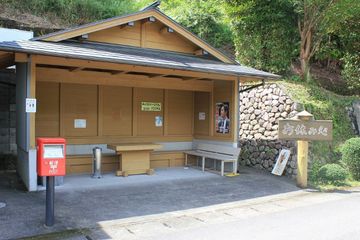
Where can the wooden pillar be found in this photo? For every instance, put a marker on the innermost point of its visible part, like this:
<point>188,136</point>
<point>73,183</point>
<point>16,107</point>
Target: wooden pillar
<point>302,163</point>
<point>32,94</point>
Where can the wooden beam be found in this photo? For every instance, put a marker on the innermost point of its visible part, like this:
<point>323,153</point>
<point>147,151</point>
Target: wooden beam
<point>126,80</point>
<point>166,30</point>
<point>200,52</point>
<point>129,24</point>
<point>157,75</point>
<point>6,60</point>
<point>76,69</point>
<point>118,72</point>
<point>21,57</point>
<point>191,78</point>
<point>62,61</point>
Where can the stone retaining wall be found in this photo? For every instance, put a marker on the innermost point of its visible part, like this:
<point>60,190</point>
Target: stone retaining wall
<point>260,110</point>
<point>7,121</point>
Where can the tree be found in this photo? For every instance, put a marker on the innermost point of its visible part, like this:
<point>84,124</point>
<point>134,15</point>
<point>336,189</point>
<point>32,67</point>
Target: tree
<point>265,33</point>
<point>311,15</point>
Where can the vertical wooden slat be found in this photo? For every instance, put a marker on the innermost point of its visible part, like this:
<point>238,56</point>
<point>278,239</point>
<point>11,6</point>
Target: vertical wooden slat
<point>143,35</point>
<point>61,102</point>
<point>235,110</point>
<point>166,112</point>
<point>100,110</point>
<point>32,82</point>
<point>211,113</point>
<point>134,112</point>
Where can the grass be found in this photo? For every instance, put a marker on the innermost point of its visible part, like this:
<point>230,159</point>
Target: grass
<point>340,187</point>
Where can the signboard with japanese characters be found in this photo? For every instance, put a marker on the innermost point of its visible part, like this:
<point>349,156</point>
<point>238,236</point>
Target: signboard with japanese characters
<point>291,129</point>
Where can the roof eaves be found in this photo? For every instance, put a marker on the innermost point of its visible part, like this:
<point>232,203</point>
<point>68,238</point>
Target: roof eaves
<point>44,37</point>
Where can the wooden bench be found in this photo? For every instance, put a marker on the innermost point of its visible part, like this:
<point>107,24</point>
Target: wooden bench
<point>217,153</point>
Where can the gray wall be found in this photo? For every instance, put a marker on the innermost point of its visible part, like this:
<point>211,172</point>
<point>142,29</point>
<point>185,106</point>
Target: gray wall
<point>26,161</point>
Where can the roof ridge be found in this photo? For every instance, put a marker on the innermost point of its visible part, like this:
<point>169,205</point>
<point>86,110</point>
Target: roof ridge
<point>153,5</point>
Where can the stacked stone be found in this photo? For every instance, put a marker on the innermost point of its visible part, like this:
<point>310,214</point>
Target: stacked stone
<point>260,110</point>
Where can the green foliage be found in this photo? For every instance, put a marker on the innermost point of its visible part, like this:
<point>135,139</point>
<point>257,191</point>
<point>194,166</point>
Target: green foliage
<point>332,174</point>
<point>324,105</point>
<point>265,33</point>
<point>351,71</point>
<point>204,18</point>
<point>76,12</point>
<point>351,156</point>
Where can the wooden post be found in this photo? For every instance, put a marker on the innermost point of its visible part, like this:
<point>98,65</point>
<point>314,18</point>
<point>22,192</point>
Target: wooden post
<point>303,128</point>
<point>302,163</point>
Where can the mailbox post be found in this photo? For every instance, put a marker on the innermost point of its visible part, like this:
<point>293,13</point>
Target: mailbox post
<point>304,128</point>
<point>50,163</point>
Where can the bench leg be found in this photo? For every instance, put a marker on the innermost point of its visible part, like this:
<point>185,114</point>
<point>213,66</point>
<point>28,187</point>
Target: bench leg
<point>235,167</point>
<point>222,168</point>
<point>203,164</point>
<point>186,156</point>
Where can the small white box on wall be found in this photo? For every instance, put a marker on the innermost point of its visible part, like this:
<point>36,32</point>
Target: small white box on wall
<point>80,123</point>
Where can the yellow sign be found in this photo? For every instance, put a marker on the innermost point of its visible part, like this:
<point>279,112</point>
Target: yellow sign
<point>150,107</point>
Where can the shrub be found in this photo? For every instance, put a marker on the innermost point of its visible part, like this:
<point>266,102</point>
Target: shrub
<point>351,156</point>
<point>332,173</point>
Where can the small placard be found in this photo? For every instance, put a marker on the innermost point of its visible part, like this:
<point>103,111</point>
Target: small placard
<point>53,151</point>
<point>30,105</point>
<point>158,121</point>
<point>150,107</point>
<point>202,116</point>
<point>80,123</point>
<point>281,162</point>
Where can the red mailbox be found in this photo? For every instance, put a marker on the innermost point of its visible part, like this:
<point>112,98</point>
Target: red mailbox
<point>51,156</point>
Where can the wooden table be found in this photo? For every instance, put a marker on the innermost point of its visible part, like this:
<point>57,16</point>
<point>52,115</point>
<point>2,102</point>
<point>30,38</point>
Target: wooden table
<point>134,158</point>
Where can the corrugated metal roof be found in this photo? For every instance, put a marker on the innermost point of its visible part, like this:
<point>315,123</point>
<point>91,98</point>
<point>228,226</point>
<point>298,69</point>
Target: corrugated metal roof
<point>131,55</point>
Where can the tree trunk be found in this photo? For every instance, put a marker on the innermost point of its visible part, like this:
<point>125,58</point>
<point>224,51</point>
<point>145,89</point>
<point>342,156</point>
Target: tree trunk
<point>305,52</point>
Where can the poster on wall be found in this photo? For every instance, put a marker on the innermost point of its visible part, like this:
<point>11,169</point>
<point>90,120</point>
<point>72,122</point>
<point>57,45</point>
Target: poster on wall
<point>281,162</point>
<point>222,118</point>
<point>158,121</point>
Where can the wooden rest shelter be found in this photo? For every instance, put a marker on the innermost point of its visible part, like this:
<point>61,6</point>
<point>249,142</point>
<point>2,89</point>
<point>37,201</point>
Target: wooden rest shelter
<point>136,78</point>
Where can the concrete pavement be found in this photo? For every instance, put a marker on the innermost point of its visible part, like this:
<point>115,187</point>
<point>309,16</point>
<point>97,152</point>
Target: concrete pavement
<point>169,191</point>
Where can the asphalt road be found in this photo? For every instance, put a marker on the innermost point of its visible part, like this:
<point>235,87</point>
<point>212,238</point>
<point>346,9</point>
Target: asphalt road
<point>329,220</point>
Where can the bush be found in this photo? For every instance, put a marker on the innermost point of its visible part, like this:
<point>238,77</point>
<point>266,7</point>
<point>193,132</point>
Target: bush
<point>332,174</point>
<point>351,156</point>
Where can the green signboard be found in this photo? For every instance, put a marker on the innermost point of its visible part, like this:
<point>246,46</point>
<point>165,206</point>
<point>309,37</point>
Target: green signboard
<point>150,107</point>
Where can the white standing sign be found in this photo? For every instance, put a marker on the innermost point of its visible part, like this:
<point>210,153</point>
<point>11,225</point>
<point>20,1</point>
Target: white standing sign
<point>30,105</point>
<point>281,162</point>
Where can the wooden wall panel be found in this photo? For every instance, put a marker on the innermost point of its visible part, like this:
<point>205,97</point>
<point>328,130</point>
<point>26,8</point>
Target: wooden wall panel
<point>83,163</point>
<point>179,114</point>
<point>116,111</point>
<point>148,36</point>
<point>47,115</point>
<point>167,159</point>
<point>117,35</point>
<point>146,119</point>
<point>201,104</point>
<point>167,41</point>
<point>79,102</point>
